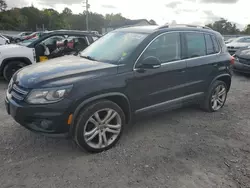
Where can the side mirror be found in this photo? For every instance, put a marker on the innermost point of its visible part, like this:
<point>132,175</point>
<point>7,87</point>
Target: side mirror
<point>150,62</point>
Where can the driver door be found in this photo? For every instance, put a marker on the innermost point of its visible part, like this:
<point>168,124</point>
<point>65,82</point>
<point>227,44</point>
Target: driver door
<point>157,86</point>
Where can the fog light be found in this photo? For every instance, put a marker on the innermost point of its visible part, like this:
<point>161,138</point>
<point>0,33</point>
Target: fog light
<point>45,124</point>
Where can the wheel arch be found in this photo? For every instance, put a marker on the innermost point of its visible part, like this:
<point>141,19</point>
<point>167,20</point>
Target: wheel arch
<point>119,98</point>
<point>225,78</point>
<point>22,59</point>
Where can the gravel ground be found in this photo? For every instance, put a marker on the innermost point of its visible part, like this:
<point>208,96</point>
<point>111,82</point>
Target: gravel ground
<point>185,148</point>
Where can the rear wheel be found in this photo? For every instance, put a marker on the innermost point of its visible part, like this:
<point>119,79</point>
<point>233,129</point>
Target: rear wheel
<point>10,68</point>
<point>216,96</point>
<point>99,126</point>
<point>17,40</point>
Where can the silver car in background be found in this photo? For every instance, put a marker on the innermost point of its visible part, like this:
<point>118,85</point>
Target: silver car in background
<point>238,43</point>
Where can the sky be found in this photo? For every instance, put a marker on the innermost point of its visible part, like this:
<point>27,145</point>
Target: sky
<point>162,11</point>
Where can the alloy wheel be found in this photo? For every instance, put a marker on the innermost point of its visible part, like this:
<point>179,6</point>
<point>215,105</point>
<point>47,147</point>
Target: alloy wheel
<point>102,128</point>
<point>218,97</point>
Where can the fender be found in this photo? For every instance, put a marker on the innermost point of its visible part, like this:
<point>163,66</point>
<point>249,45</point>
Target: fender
<point>23,59</point>
<point>220,76</point>
<point>89,100</point>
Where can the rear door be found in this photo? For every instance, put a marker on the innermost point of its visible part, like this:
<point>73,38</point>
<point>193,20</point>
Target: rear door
<point>202,60</point>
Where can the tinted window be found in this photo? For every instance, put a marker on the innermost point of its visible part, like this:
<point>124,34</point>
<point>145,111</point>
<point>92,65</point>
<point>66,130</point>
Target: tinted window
<point>216,45</point>
<point>195,45</point>
<point>209,44</point>
<point>166,48</point>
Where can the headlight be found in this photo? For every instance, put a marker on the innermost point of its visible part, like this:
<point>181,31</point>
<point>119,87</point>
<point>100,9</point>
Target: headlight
<point>48,95</point>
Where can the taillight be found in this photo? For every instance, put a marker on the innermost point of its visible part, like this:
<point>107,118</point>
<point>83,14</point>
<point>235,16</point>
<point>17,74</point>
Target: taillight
<point>232,60</point>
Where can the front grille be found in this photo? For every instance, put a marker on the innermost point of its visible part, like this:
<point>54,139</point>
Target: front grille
<point>18,93</point>
<point>244,61</point>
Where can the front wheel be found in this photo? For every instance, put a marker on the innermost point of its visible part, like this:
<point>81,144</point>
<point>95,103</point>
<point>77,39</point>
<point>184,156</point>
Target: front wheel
<point>216,96</point>
<point>10,68</point>
<point>99,126</point>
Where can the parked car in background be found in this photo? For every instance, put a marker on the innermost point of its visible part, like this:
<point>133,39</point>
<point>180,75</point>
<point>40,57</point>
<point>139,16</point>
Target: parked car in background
<point>14,56</point>
<point>127,72</point>
<point>229,40</point>
<point>240,42</point>
<point>32,35</point>
<point>4,40</point>
<point>242,61</point>
<point>17,38</point>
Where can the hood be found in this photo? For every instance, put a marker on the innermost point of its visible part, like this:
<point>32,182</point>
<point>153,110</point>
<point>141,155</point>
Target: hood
<point>237,44</point>
<point>62,71</point>
<point>244,53</point>
<point>10,47</point>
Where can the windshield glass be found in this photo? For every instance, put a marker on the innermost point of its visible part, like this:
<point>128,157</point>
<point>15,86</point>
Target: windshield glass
<point>243,39</point>
<point>27,42</point>
<point>113,47</point>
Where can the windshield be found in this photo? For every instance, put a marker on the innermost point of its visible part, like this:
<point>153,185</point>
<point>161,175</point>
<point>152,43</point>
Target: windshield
<point>113,47</point>
<point>27,42</point>
<point>243,39</point>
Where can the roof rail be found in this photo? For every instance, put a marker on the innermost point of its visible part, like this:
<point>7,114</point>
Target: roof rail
<point>183,25</point>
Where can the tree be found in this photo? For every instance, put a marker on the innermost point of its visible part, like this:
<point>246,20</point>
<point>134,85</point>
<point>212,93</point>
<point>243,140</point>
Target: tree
<point>3,5</point>
<point>247,30</point>
<point>67,12</point>
<point>224,27</point>
<point>152,22</point>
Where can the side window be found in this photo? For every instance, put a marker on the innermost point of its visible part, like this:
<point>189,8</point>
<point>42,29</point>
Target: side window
<point>209,44</point>
<point>52,40</point>
<point>80,43</point>
<point>166,48</point>
<point>216,45</point>
<point>195,45</point>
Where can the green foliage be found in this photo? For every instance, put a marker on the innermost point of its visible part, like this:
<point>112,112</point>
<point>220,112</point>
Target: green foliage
<point>224,27</point>
<point>31,18</point>
<point>3,5</point>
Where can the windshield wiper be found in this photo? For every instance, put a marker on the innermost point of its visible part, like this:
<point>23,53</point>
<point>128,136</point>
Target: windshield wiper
<point>88,57</point>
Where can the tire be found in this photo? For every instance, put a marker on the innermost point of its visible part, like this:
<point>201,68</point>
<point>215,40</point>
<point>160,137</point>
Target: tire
<point>10,68</point>
<point>17,40</point>
<point>87,127</point>
<point>208,104</point>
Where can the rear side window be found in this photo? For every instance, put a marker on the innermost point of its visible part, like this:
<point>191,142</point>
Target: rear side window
<point>216,45</point>
<point>196,46</point>
<point>209,44</point>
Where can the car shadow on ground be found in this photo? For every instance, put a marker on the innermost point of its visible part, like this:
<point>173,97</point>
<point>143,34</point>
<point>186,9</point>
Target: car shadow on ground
<point>45,143</point>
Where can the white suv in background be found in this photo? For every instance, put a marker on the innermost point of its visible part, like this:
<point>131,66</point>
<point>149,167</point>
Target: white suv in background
<point>14,57</point>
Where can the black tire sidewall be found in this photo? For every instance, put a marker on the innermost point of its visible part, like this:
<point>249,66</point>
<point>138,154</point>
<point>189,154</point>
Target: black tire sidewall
<point>17,40</point>
<point>208,105</point>
<point>7,74</point>
<point>84,116</point>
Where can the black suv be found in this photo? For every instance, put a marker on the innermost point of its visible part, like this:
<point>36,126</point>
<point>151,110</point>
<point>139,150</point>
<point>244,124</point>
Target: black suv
<point>127,72</point>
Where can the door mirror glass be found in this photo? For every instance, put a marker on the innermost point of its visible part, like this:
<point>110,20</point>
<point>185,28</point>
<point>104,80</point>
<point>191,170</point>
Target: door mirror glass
<point>150,62</point>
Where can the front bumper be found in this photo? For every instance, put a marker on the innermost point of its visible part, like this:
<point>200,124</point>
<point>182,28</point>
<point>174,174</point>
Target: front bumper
<point>240,67</point>
<point>47,119</point>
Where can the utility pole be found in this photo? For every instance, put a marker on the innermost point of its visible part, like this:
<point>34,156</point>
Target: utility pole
<point>87,6</point>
